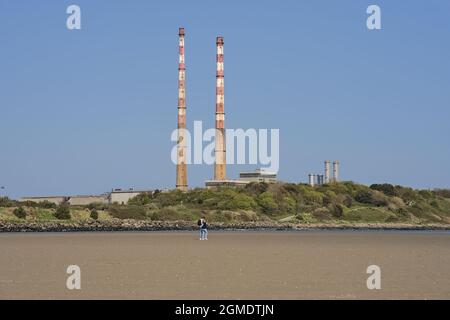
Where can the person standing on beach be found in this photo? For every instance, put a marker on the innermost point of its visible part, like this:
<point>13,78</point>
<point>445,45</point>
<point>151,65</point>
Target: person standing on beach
<point>200,223</point>
<point>203,229</point>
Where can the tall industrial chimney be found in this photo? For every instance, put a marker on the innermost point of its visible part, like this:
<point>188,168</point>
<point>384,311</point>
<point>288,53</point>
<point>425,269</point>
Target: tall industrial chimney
<point>220,152</point>
<point>335,171</point>
<point>181,143</point>
<point>327,171</point>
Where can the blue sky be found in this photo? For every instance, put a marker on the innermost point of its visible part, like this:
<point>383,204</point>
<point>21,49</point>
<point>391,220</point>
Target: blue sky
<point>87,110</point>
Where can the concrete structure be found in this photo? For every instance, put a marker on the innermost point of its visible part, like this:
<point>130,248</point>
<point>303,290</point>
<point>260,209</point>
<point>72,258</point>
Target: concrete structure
<point>335,171</point>
<point>53,199</point>
<point>225,183</point>
<point>259,175</point>
<point>119,196</point>
<point>220,152</point>
<point>327,171</point>
<point>320,179</point>
<point>311,179</point>
<point>72,200</point>
<point>85,200</point>
<point>181,182</point>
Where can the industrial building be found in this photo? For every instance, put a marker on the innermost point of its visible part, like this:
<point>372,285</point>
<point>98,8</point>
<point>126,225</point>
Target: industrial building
<point>320,179</point>
<point>116,196</point>
<point>259,175</point>
<point>119,196</point>
<point>225,183</point>
<point>53,199</point>
<point>79,200</point>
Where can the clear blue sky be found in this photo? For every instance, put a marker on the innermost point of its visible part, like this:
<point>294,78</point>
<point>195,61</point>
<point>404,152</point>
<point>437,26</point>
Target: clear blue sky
<point>85,111</point>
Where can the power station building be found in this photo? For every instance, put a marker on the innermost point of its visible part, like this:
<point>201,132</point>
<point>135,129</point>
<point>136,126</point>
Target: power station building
<point>259,175</point>
<point>320,179</point>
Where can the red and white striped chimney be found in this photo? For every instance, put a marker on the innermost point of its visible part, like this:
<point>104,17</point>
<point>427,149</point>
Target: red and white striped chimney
<point>220,152</point>
<point>181,183</point>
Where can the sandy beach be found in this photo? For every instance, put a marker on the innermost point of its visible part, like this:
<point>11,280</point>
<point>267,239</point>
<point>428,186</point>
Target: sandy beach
<point>230,265</point>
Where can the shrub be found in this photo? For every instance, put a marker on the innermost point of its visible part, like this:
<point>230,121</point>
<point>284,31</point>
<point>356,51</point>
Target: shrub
<point>291,188</point>
<point>379,199</point>
<point>386,188</point>
<point>20,213</point>
<point>267,203</point>
<point>373,197</point>
<point>321,214</point>
<point>127,212</point>
<point>426,194</point>
<point>364,196</point>
<point>445,193</point>
<point>63,212</point>
<point>6,202</point>
<point>407,194</point>
<point>257,187</point>
<point>47,205</point>
<point>155,216</point>
<point>397,202</point>
<point>306,217</point>
<point>329,198</point>
<point>346,200</point>
<point>171,198</point>
<point>313,197</point>
<point>94,214</point>
<point>402,213</point>
<point>141,199</point>
<point>168,214</point>
<point>336,210</point>
<point>435,204</point>
<point>288,205</point>
<point>28,204</point>
<point>97,206</point>
<point>242,201</point>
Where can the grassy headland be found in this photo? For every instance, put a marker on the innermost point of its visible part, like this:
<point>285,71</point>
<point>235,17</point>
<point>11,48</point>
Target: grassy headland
<point>338,203</point>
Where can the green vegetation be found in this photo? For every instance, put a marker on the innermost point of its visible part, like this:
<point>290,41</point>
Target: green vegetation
<point>94,214</point>
<point>298,203</point>
<point>20,213</point>
<point>63,212</point>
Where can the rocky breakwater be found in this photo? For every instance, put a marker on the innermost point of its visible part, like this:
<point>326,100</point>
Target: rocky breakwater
<point>147,225</point>
<point>131,225</point>
<point>78,226</point>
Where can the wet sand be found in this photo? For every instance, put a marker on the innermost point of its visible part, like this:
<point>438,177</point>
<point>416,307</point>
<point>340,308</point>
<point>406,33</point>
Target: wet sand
<point>231,265</point>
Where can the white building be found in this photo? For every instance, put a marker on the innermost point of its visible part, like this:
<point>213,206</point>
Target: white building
<point>259,175</point>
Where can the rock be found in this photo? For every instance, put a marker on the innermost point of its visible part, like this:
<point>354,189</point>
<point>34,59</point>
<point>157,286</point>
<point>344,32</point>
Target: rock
<point>144,225</point>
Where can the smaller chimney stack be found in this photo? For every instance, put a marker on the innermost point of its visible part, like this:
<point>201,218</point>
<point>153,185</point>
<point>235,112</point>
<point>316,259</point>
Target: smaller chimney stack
<point>327,171</point>
<point>311,179</point>
<point>336,171</point>
<point>320,179</point>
